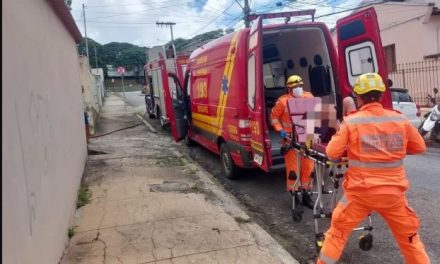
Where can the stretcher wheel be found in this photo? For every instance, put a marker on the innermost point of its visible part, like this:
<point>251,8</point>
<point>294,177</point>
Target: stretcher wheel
<point>296,216</point>
<point>319,241</point>
<point>366,242</point>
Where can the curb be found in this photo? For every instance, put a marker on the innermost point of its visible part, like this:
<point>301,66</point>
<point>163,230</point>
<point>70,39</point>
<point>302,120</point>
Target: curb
<point>149,126</point>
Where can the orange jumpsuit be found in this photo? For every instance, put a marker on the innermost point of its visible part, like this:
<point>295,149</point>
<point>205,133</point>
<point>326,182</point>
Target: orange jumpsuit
<point>376,141</point>
<point>280,120</point>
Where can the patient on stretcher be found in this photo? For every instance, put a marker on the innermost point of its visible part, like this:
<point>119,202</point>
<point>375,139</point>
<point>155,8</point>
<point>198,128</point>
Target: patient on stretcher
<point>315,121</point>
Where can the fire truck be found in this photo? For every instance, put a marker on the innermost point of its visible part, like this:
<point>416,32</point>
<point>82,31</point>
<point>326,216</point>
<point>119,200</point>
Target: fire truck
<point>164,79</point>
<point>232,83</point>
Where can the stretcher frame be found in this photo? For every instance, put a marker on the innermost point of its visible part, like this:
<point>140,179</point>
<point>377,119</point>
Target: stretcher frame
<point>322,164</point>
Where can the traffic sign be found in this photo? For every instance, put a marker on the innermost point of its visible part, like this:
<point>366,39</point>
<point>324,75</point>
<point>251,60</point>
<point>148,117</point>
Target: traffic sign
<point>121,70</point>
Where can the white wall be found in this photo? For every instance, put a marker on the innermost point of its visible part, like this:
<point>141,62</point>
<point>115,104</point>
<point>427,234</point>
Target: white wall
<point>44,146</point>
<point>408,28</point>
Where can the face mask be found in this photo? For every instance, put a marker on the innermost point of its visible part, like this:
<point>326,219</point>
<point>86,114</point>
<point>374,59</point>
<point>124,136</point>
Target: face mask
<point>297,92</point>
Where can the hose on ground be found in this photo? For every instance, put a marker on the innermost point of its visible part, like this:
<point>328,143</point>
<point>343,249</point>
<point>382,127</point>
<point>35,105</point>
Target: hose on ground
<point>100,135</point>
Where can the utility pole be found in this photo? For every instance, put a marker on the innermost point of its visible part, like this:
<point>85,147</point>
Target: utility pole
<point>171,24</point>
<point>246,12</point>
<point>85,32</point>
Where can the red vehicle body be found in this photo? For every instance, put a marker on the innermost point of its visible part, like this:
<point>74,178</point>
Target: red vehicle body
<point>232,83</point>
<point>164,79</point>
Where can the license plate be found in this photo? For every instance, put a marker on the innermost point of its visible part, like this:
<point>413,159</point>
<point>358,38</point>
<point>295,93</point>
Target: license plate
<point>258,159</point>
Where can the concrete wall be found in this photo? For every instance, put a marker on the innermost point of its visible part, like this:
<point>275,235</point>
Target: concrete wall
<point>92,92</point>
<point>44,145</point>
<point>99,77</point>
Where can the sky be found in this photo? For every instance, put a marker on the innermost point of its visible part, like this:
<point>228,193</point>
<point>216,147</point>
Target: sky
<point>134,21</point>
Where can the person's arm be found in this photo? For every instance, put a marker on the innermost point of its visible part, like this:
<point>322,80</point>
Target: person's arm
<point>348,105</point>
<point>275,116</point>
<point>415,144</point>
<point>338,144</point>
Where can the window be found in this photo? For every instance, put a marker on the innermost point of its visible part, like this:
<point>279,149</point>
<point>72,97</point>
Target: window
<point>399,96</point>
<point>351,30</point>
<point>251,81</point>
<point>390,56</point>
<point>360,58</point>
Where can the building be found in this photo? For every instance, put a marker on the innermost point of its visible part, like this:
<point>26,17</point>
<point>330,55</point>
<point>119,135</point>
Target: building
<point>44,143</point>
<point>410,33</point>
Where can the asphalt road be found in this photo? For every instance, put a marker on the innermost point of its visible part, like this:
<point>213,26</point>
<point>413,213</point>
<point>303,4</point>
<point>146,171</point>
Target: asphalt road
<point>265,198</point>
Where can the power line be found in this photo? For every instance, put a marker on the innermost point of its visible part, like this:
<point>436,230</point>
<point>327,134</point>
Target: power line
<point>211,20</point>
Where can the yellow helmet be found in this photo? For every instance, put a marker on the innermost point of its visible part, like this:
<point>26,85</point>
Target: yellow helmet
<point>294,81</point>
<point>369,82</point>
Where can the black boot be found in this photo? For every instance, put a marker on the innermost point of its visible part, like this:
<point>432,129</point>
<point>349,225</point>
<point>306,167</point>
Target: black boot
<point>307,200</point>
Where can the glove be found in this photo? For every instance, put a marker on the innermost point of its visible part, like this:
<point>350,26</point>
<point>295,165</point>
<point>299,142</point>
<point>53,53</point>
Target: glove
<point>283,133</point>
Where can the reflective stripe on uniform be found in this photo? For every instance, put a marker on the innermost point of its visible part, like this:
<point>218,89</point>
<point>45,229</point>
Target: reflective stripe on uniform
<point>275,121</point>
<point>375,119</point>
<point>357,163</point>
<point>343,200</point>
<point>286,124</point>
<point>326,259</point>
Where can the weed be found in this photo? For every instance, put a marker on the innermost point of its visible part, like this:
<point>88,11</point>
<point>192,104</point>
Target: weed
<point>196,188</point>
<point>242,220</point>
<point>71,231</point>
<point>84,196</point>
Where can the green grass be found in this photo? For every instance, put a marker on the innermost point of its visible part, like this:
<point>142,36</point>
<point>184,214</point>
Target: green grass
<point>84,196</point>
<point>71,231</point>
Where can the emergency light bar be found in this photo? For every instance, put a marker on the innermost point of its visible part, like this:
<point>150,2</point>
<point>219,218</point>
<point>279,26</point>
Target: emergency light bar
<point>307,12</point>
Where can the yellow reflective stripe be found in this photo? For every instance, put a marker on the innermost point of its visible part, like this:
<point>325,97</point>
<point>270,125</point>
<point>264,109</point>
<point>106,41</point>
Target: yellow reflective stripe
<point>228,73</point>
<point>326,259</point>
<point>257,146</point>
<point>375,119</point>
<point>217,120</point>
<point>206,127</point>
<point>363,164</point>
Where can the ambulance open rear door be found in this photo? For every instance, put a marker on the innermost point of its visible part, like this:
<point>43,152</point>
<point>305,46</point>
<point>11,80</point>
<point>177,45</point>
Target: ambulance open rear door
<point>175,107</point>
<point>360,50</point>
<point>259,131</point>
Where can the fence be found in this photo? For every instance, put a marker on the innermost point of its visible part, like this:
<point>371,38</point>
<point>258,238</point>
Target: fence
<point>419,78</point>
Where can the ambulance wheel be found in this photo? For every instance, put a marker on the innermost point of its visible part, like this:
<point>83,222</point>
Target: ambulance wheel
<point>188,141</point>
<point>229,168</point>
<point>366,242</point>
<point>297,217</point>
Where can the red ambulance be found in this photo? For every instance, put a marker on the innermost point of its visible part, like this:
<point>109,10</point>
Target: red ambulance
<point>164,76</point>
<point>232,83</point>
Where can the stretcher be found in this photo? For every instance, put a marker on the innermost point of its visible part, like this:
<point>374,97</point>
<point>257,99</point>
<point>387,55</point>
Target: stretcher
<point>306,140</point>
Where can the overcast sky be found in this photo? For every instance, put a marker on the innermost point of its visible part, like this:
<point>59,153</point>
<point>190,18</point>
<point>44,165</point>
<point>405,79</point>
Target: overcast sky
<point>134,21</point>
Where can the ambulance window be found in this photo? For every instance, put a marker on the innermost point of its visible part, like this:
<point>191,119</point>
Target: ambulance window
<point>360,58</point>
<point>251,81</point>
<point>351,30</point>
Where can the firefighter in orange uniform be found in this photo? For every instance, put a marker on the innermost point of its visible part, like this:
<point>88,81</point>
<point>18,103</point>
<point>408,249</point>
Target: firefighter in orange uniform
<point>281,123</point>
<point>376,141</point>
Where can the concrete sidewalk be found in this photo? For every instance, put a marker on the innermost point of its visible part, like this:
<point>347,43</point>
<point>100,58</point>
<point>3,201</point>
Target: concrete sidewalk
<point>151,204</point>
